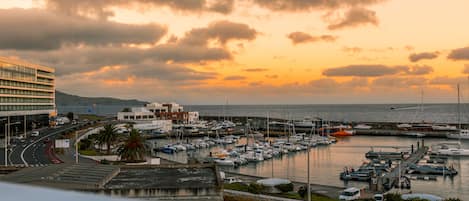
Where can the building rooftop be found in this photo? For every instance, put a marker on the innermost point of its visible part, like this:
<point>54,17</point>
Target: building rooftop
<point>25,63</point>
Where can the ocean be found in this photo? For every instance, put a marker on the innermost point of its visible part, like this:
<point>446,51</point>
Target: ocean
<point>431,113</point>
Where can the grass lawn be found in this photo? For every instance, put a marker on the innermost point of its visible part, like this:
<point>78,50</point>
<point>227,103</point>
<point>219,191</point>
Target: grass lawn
<point>89,152</point>
<point>91,117</point>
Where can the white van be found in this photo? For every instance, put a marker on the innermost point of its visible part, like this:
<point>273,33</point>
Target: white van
<point>35,134</point>
<point>350,194</point>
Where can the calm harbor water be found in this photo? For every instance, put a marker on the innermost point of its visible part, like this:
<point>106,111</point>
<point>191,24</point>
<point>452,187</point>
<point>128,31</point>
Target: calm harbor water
<point>441,113</point>
<point>328,161</point>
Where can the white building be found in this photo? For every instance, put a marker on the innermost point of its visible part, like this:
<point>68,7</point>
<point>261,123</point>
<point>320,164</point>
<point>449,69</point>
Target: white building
<point>136,114</point>
<point>162,125</point>
<point>193,117</point>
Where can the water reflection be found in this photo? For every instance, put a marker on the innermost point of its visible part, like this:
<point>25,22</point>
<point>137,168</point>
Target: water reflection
<point>328,161</point>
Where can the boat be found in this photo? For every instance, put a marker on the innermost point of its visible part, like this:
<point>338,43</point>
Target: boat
<point>362,127</point>
<point>356,175</point>
<point>463,134</point>
<point>454,152</point>
<point>224,162</point>
<point>343,133</point>
<point>305,123</point>
<point>431,170</point>
<point>404,126</point>
<point>415,134</point>
<point>384,154</point>
<point>168,149</point>
<point>444,127</point>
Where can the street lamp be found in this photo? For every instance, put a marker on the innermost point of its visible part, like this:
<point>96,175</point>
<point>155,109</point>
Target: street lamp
<point>7,138</point>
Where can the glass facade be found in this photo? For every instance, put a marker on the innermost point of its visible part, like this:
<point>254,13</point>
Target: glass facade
<point>25,87</point>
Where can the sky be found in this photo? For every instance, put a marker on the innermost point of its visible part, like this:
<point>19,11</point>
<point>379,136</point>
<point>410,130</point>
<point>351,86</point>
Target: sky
<point>246,51</point>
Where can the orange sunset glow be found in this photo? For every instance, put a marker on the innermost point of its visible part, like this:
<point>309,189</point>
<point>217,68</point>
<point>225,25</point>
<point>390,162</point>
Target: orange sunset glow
<point>246,51</point>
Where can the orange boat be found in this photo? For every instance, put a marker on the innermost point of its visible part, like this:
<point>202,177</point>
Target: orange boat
<point>343,133</point>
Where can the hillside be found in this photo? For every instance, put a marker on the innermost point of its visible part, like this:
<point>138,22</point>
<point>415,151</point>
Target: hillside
<point>63,99</point>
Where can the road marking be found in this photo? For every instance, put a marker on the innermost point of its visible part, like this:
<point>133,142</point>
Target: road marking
<point>43,137</point>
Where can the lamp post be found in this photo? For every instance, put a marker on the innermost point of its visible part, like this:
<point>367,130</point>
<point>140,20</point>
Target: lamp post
<point>7,136</point>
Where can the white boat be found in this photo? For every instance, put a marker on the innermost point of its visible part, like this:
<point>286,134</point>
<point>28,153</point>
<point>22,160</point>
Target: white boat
<point>415,134</point>
<point>445,149</point>
<point>444,127</point>
<point>463,134</point>
<point>454,152</point>
<point>404,126</point>
<point>305,123</point>
<point>224,162</point>
<point>362,127</point>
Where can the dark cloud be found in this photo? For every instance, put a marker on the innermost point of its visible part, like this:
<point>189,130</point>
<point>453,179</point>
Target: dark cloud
<point>419,70</point>
<point>222,6</point>
<point>355,17</point>
<point>222,31</point>
<point>42,30</point>
<point>301,37</point>
<point>256,69</point>
<point>306,5</point>
<point>72,60</point>
<point>459,54</point>
<point>188,49</point>
<point>362,70</point>
<point>271,76</point>
<point>376,70</point>
<point>234,77</point>
<point>415,57</point>
<point>102,8</point>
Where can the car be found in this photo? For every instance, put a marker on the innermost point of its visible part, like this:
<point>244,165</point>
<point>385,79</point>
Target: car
<point>230,180</point>
<point>35,134</point>
<point>350,194</point>
<point>378,197</point>
<point>47,140</point>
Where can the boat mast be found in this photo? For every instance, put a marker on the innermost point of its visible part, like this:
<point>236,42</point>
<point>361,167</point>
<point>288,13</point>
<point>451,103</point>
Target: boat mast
<point>459,108</point>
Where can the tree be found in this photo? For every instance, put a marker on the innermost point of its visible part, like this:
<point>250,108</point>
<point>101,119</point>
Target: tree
<point>134,147</point>
<point>70,115</point>
<point>107,136</point>
<point>126,109</point>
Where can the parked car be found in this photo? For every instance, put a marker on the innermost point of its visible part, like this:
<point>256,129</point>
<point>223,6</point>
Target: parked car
<point>230,180</point>
<point>350,194</point>
<point>35,134</point>
<point>378,197</point>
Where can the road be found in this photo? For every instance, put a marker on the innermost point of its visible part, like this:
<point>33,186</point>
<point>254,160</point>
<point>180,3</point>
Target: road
<point>32,150</point>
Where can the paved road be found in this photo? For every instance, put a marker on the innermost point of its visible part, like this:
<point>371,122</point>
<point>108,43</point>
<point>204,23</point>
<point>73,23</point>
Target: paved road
<point>32,151</point>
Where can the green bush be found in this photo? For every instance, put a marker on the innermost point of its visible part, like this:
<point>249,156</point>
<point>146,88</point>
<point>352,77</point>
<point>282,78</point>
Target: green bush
<point>302,191</point>
<point>393,197</point>
<point>255,188</point>
<point>85,144</point>
<point>285,187</point>
<point>452,199</point>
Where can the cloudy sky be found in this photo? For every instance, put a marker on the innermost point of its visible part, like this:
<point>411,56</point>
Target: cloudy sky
<point>246,51</point>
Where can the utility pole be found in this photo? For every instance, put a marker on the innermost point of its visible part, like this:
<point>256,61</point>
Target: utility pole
<point>309,182</point>
<point>459,109</point>
<point>25,126</point>
<point>76,147</point>
<point>6,147</point>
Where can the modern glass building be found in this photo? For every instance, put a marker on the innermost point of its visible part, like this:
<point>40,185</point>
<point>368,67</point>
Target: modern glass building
<point>27,92</point>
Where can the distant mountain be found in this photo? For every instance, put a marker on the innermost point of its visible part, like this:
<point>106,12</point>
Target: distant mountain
<point>63,99</point>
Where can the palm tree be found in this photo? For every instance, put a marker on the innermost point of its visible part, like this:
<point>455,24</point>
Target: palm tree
<point>107,136</point>
<point>134,147</point>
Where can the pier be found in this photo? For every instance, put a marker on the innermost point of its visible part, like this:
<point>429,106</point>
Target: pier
<point>388,181</point>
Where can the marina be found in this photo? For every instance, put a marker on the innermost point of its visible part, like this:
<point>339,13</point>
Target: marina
<point>328,163</point>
